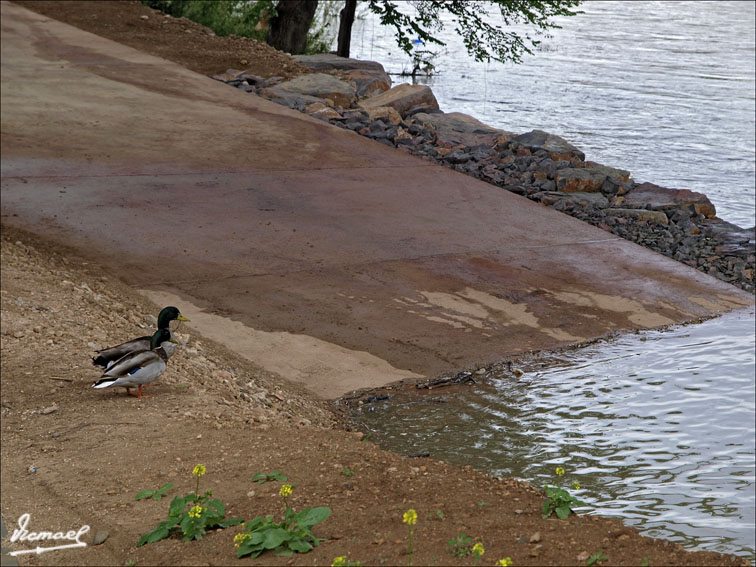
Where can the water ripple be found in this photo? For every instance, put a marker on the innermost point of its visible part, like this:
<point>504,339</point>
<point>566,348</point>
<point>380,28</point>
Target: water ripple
<point>657,427</point>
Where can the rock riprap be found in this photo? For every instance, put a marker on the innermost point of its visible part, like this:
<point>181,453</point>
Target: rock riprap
<point>543,167</point>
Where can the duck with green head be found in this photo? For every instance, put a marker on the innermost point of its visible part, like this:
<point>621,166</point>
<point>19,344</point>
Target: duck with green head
<point>140,367</point>
<point>106,357</point>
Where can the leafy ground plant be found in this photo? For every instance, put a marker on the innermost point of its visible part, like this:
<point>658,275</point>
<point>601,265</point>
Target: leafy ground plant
<point>597,558</point>
<point>269,477</point>
<point>558,500</point>
<point>193,514</point>
<point>461,546</point>
<point>154,494</point>
<point>292,535</point>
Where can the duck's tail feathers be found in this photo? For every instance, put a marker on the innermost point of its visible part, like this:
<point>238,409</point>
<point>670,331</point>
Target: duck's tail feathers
<point>102,362</point>
<point>104,382</point>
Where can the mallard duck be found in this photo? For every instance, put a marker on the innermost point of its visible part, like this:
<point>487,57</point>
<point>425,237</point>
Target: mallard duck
<point>140,367</point>
<point>108,356</point>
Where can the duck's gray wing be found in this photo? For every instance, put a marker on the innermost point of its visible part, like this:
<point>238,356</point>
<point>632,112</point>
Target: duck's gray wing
<point>136,368</point>
<point>108,356</point>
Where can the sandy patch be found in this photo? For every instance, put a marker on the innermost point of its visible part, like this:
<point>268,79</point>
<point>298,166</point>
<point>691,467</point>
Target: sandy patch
<point>477,309</point>
<point>637,313</point>
<point>327,370</point>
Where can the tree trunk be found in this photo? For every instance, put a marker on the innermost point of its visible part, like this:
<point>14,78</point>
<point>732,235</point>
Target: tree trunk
<point>345,27</point>
<point>288,29</point>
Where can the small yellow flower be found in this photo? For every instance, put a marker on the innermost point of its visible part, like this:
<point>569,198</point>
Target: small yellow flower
<point>339,561</point>
<point>199,470</point>
<point>285,491</point>
<point>196,512</point>
<point>239,539</point>
<point>506,562</point>
<point>478,549</point>
<point>560,471</point>
<point>576,485</point>
<point>410,517</point>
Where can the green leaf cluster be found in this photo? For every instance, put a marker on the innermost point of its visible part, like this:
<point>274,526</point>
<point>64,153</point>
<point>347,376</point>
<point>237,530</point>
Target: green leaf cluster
<point>269,477</point>
<point>292,535</point>
<point>192,527</point>
<point>154,494</point>
<point>460,546</point>
<point>559,501</point>
<point>597,558</point>
<point>226,17</point>
<point>484,40</point>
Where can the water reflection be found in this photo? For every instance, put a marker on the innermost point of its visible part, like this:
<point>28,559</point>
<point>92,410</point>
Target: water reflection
<point>658,428</point>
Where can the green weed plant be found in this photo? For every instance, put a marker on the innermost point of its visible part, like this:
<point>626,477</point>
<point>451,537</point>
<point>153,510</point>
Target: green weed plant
<point>558,500</point>
<point>260,477</point>
<point>293,534</point>
<point>154,494</point>
<point>597,558</point>
<point>192,514</point>
<point>460,546</point>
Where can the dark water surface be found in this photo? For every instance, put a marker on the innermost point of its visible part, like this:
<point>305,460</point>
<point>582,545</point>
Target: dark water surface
<point>662,89</point>
<point>657,427</point>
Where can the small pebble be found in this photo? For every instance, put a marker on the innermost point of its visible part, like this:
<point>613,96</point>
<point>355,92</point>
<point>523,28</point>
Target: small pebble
<point>100,537</point>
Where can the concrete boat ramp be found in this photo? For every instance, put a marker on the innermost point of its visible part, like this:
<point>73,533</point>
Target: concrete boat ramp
<point>319,254</point>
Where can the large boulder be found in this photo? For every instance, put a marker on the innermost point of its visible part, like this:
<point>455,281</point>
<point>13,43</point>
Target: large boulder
<point>369,77</point>
<point>402,98</point>
<point>458,129</point>
<point>653,197</point>
<point>319,85</point>
<point>385,113</point>
<point>367,82</point>
<point>559,148</point>
<point>587,179</point>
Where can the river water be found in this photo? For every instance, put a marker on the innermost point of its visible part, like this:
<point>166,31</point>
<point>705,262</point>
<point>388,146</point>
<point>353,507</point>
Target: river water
<point>662,89</point>
<point>658,428</point>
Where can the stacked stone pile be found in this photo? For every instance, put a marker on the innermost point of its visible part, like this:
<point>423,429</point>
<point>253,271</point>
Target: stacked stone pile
<point>357,96</point>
